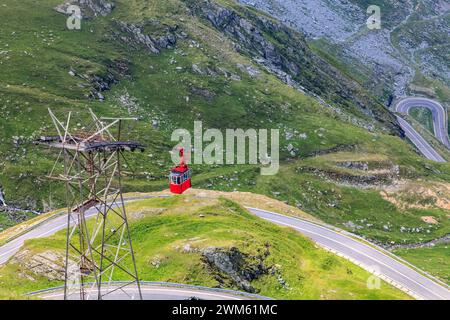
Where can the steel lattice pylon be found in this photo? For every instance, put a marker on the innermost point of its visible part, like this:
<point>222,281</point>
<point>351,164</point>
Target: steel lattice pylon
<point>99,247</point>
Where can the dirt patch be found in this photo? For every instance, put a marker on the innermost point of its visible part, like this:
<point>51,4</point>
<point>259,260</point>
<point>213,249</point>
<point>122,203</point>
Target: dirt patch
<point>429,219</point>
<point>147,212</point>
<point>245,199</point>
<point>414,195</point>
<point>48,264</point>
<point>357,178</point>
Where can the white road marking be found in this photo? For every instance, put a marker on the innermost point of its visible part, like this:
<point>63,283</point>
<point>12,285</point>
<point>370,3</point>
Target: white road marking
<point>62,225</point>
<point>166,291</point>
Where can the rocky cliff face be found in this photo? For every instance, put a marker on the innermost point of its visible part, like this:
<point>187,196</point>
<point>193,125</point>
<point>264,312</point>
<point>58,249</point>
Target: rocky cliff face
<point>411,35</point>
<point>90,8</point>
<point>135,36</point>
<point>315,18</point>
<point>235,266</point>
<point>285,53</point>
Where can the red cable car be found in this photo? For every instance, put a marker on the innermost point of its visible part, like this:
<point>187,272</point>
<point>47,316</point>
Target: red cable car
<point>180,176</point>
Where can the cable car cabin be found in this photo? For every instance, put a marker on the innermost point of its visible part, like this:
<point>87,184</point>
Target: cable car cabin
<point>180,181</point>
<point>180,177</point>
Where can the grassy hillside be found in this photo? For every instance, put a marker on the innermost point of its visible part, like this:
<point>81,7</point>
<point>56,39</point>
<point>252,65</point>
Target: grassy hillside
<point>433,260</point>
<point>200,71</point>
<point>172,238</point>
<point>423,116</point>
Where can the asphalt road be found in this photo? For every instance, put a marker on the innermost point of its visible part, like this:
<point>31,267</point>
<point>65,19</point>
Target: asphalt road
<point>48,228</point>
<point>439,120</point>
<point>152,291</point>
<point>368,257</point>
<point>424,147</point>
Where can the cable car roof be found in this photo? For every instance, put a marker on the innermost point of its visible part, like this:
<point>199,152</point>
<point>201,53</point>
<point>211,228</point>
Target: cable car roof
<point>180,170</point>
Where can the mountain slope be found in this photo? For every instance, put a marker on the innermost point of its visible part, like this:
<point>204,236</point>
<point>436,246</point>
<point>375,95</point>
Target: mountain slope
<point>209,242</point>
<point>411,43</point>
<point>170,63</point>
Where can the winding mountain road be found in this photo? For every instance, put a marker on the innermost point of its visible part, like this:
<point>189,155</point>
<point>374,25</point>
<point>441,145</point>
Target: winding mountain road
<point>155,291</point>
<point>367,256</point>
<point>439,120</point>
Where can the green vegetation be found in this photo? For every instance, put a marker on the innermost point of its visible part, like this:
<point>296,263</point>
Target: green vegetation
<point>38,52</point>
<point>424,117</point>
<point>431,87</point>
<point>433,260</point>
<point>8,220</point>
<point>170,234</point>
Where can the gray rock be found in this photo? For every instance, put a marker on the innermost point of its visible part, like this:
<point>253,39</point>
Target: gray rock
<point>250,70</point>
<point>294,63</point>
<point>239,267</point>
<point>89,8</point>
<point>136,36</point>
<point>196,68</point>
<point>2,198</point>
<point>48,264</point>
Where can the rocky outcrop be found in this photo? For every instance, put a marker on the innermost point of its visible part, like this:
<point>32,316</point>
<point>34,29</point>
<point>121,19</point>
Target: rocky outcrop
<point>213,70</point>
<point>89,8</point>
<point>284,52</point>
<point>411,37</point>
<point>430,244</point>
<point>115,71</point>
<point>204,93</point>
<point>2,199</point>
<point>135,36</point>
<point>364,176</point>
<point>236,267</point>
<point>47,264</point>
<point>338,148</point>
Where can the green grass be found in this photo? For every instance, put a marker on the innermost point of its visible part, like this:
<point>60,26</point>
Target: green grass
<point>434,260</point>
<point>36,76</point>
<point>424,117</point>
<point>376,218</point>
<point>440,90</point>
<point>311,273</point>
<point>9,220</point>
